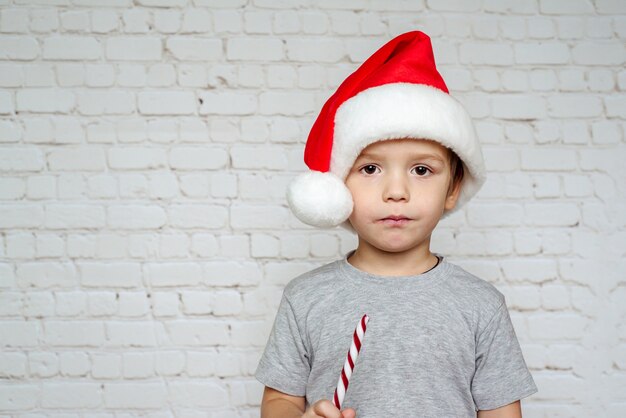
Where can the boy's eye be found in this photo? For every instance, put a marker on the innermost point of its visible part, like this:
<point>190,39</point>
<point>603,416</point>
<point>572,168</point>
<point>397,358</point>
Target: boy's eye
<point>421,170</point>
<point>369,169</point>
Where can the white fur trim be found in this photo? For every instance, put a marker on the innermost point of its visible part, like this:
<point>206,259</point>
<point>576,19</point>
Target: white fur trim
<point>407,110</point>
<point>319,199</point>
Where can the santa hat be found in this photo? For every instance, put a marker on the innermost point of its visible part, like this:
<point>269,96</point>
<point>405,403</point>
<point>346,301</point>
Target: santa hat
<point>396,93</point>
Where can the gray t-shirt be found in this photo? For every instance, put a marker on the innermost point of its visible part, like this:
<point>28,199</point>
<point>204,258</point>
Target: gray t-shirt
<point>439,344</point>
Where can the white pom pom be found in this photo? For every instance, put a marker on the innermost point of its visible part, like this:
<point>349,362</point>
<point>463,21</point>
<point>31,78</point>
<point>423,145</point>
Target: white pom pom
<point>319,199</point>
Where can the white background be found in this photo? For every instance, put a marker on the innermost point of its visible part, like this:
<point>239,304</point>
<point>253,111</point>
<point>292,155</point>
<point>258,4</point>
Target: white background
<point>145,148</point>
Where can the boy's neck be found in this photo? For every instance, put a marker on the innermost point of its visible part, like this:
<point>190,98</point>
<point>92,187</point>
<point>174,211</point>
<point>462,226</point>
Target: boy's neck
<point>407,263</point>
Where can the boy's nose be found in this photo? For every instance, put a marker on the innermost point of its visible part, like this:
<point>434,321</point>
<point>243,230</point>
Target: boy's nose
<point>396,188</point>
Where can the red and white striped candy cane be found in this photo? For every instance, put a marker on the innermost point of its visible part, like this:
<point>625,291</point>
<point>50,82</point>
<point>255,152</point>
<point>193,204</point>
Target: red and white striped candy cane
<point>346,372</point>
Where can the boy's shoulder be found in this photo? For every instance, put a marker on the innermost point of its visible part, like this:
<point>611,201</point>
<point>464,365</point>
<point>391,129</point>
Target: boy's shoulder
<point>472,288</point>
<point>319,279</point>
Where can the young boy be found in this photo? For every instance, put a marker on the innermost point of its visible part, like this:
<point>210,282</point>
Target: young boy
<point>391,154</point>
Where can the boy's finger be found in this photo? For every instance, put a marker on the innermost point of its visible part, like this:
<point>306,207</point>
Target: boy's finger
<point>348,413</point>
<point>326,409</point>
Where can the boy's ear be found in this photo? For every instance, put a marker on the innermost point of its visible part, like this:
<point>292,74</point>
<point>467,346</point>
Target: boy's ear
<point>453,196</point>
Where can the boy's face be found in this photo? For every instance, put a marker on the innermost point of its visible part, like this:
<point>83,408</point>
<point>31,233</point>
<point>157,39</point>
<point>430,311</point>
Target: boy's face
<point>400,177</point>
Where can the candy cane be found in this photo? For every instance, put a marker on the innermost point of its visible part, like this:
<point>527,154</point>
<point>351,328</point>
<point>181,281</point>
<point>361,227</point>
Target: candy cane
<point>346,372</point>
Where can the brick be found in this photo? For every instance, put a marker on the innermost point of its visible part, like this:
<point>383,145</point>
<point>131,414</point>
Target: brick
<point>287,103</point>
<point>549,159</point>
<point>12,365</point>
<point>19,333</point>
<point>193,49</point>
<point>104,21</point>
<point>501,159</point>
<point>518,107</point>
<point>551,214</point>
<point>540,27</point>
<point>118,274</point>
<point>601,80</point>
<point>126,48</point>
<point>599,53</point>
<point>196,303</point>
<point>71,304</point>
<point>265,245</point>
<point>224,185</point>
<point>315,50</point>
<point>234,246</point>
<point>77,159</point>
<point>74,333</point>
<point>524,298</point>
<point>46,274</point>
<point>106,366</point>
<point>39,304</point>
<point>16,397</point>
<point>196,20</point>
<point>561,7</point>
<point>577,185</point>
<point>167,103</point>
<point>71,48</point>
<point>136,217</point>
<point>43,364</point>
<point>165,304</point>
<point>541,53</point>
<point>254,49</point>
<point>204,245</point>
<point>173,274</point>
<point>491,53</point>
<point>555,297</point>
<point>198,332</point>
<point>248,333</point>
<point>615,106</point>
<point>559,327</point>
<point>44,20</point>
<point>167,21</point>
<point>130,334</point>
<point>231,273</point>
<point>495,215</point>
<point>198,216</point>
<point>71,395</point>
<point>227,103</point>
<point>209,394</point>
<point>259,157</point>
<point>169,363</point>
<point>226,303</point>
<point>570,28</point>
<point>21,159</point>
<point>314,22</point>
<point>198,158</point>
<point>140,395</point>
<point>133,304</point>
<point>14,21</point>
<point>258,216</point>
<point>610,7</point>
<point>18,48</point>
<point>106,103</point>
<point>529,270</point>
<point>44,100</point>
<point>61,216</point>
<point>21,216</point>
<point>138,365</point>
<point>454,5</point>
<point>286,22</point>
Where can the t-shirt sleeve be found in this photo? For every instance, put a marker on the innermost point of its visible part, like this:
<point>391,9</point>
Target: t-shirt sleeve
<point>501,376</point>
<point>284,364</point>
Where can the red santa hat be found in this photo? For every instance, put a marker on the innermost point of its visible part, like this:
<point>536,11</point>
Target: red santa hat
<point>395,93</point>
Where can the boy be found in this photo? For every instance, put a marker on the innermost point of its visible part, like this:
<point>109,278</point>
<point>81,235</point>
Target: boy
<point>390,154</point>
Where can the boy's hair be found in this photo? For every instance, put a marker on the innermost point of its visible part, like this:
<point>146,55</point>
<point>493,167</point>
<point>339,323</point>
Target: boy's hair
<point>456,170</point>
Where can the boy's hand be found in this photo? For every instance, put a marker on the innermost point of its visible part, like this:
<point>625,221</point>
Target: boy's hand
<point>325,409</point>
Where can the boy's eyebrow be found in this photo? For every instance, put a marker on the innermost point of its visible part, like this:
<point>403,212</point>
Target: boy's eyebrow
<point>416,155</point>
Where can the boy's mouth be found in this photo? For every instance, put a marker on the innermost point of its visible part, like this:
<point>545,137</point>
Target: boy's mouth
<point>395,220</point>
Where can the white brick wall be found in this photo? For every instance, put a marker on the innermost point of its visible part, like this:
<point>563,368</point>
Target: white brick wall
<point>145,148</point>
